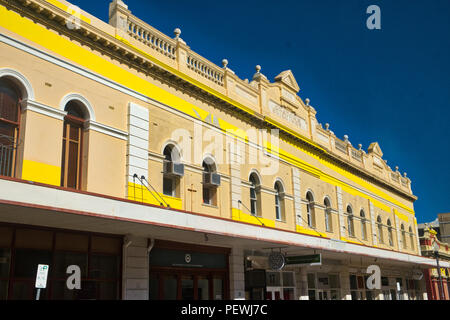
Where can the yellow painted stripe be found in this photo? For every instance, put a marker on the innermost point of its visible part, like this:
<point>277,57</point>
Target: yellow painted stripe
<point>65,8</point>
<point>401,216</point>
<point>351,241</point>
<point>312,232</point>
<point>38,34</point>
<point>136,192</point>
<point>187,78</point>
<point>292,132</point>
<point>238,215</point>
<point>302,164</point>
<point>41,172</point>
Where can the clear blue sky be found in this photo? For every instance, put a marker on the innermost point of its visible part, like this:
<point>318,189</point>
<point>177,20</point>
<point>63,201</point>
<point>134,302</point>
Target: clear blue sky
<point>390,85</point>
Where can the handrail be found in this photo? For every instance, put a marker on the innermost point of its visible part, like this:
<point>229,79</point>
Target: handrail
<point>143,178</point>
<point>262,223</point>
<point>142,184</point>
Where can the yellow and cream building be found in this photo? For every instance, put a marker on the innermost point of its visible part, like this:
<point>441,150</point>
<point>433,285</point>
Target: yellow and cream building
<point>165,176</point>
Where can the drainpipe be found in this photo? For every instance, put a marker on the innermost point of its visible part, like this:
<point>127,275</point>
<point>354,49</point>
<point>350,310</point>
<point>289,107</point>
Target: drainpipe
<point>126,243</point>
<point>151,244</point>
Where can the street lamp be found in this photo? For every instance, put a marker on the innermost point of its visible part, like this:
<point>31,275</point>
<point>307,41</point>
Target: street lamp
<point>436,255</point>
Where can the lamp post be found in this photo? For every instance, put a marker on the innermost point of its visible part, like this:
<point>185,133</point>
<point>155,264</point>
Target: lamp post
<point>436,255</point>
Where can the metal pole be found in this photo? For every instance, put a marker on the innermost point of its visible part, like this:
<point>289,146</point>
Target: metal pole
<point>38,294</point>
<point>441,286</point>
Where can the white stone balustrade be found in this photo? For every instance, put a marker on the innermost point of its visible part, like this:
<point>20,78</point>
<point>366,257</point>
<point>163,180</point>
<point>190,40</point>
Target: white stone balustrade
<point>152,38</point>
<point>205,68</point>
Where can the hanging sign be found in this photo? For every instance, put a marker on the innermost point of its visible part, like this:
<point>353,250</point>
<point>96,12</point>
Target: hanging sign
<point>312,260</point>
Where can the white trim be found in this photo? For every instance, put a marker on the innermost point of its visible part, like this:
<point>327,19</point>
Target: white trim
<point>255,171</point>
<point>177,147</point>
<point>43,109</point>
<point>110,131</point>
<point>135,94</point>
<point>76,96</point>
<point>7,72</point>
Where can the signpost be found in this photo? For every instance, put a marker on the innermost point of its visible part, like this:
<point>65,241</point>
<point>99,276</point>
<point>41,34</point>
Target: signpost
<point>41,279</point>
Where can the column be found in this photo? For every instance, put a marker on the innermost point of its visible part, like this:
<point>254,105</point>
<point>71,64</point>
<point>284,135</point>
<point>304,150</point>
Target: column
<point>342,232</point>
<point>372,221</point>
<point>345,284</point>
<point>302,284</point>
<point>235,159</point>
<point>135,269</point>
<point>237,274</point>
<point>297,196</point>
<point>137,148</point>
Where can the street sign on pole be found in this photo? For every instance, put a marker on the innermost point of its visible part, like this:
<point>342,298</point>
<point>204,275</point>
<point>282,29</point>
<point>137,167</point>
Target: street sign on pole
<point>41,279</point>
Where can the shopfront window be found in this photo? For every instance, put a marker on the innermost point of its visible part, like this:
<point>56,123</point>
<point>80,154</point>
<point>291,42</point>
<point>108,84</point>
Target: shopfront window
<point>280,285</point>
<point>97,256</point>
<point>324,286</point>
<point>358,288</point>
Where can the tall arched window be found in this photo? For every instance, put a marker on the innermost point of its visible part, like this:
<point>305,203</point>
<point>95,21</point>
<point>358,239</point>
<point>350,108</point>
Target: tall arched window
<point>390,236</point>
<point>10,98</point>
<point>279,201</point>
<point>71,163</point>
<point>328,217</point>
<point>255,195</point>
<point>211,181</point>
<point>363,224</point>
<point>350,225</point>
<point>173,170</point>
<point>411,238</point>
<point>402,228</point>
<point>310,214</point>
<point>380,230</point>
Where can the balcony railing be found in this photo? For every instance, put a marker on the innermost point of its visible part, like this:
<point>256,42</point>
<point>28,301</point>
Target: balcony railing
<point>205,68</point>
<point>356,155</point>
<point>7,155</point>
<point>152,38</point>
<point>341,146</point>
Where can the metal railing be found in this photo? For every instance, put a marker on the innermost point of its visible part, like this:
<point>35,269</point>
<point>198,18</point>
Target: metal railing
<point>7,155</point>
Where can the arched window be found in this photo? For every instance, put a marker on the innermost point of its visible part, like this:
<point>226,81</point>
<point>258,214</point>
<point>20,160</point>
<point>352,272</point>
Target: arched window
<point>350,226</point>
<point>310,214</point>
<point>279,201</point>
<point>390,236</point>
<point>10,98</point>
<point>328,217</point>
<point>211,181</point>
<point>173,170</point>
<point>71,163</point>
<point>411,238</point>
<point>255,197</point>
<point>363,224</point>
<point>402,228</point>
<point>380,229</point>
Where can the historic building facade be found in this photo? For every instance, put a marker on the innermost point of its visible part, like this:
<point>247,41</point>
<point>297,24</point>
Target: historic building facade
<point>165,176</point>
<point>438,285</point>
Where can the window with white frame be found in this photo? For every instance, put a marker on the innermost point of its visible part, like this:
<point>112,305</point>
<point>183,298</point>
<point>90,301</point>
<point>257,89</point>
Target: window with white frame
<point>363,224</point>
<point>279,201</point>
<point>310,209</point>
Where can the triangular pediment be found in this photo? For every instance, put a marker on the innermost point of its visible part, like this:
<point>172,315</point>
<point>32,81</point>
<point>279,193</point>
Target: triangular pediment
<point>288,79</point>
<point>375,148</point>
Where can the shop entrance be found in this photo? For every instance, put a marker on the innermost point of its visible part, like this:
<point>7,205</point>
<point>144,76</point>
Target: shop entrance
<point>188,272</point>
<point>187,285</point>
